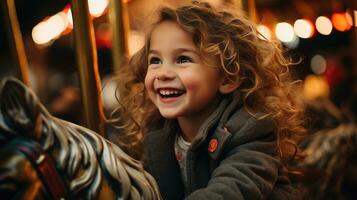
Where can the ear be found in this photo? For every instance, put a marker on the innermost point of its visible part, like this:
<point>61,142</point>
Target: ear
<point>19,106</point>
<point>228,86</point>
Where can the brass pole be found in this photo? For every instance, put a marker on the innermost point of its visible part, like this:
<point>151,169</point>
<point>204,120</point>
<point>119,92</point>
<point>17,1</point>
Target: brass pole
<point>119,23</point>
<point>237,3</point>
<point>87,66</point>
<point>15,38</point>
<point>352,5</point>
<point>252,10</point>
<point>246,5</point>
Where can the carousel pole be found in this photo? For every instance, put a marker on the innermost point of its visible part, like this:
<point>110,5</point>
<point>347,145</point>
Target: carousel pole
<point>236,3</point>
<point>252,10</point>
<point>246,5</point>
<point>15,38</point>
<point>119,23</point>
<point>352,4</point>
<point>87,66</point>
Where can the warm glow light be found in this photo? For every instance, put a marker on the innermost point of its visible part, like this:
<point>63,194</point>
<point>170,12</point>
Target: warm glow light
<point>349,19</point>
<point>323,25</point>
<point>39,34</point>
<point>284,32</point>
<point>318,64</point>
<point>97,7</point>
<point>293,43</point>
<point>315,87</point>
<point>69,17</point>
<point>46,31</point>
<point>339,21</point>
<point>109,87</point>
<point>355,17</point>
<point>303,28</point>
<point>136,41</point>
<point>264,31</point>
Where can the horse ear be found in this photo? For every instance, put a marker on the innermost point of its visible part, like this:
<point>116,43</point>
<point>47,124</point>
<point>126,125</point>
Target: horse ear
<point>19,106</point>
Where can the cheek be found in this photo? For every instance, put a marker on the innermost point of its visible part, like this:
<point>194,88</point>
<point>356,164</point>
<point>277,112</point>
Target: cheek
<point>188,79</point>
<point>148,80</point>
<point>149,84</point>
<point>198,80</point>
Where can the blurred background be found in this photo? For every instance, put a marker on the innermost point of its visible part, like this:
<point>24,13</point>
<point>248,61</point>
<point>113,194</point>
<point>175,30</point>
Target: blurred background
<point>322,33</point>
<point>71,69</point>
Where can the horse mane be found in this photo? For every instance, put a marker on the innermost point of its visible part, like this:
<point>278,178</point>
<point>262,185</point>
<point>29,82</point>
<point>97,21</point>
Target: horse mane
<point>329,156</point>
<point>82,155</point>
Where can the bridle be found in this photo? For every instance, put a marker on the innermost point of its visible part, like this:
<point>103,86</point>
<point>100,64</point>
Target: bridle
<point>44,166</point>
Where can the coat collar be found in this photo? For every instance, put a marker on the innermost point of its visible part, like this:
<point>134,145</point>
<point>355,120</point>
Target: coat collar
<point>214,128</point>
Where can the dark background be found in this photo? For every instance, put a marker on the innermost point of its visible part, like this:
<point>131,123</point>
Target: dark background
<point>54,67</point>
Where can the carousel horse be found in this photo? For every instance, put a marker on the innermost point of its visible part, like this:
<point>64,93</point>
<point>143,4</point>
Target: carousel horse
<point>43,157</point>
<point>331,164</point>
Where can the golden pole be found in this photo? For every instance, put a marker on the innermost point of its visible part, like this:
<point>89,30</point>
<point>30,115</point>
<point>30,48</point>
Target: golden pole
<point>119,23</point>
<point>16,42</point>
<point>352,4</point>
<point>237,3</point>
<point>252,10</point>
<point>87,66</point>
<point>246,5</point>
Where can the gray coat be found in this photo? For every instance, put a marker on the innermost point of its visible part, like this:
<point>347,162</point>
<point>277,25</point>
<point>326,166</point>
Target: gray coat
<point>244,165</point>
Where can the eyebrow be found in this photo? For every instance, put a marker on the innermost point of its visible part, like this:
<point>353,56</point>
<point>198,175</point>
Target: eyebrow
<point>178,50</point>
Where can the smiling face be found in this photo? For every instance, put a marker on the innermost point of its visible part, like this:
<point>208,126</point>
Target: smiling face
<point>178,82</point>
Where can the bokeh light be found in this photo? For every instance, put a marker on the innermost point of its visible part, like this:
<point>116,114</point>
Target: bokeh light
<point>97,7</point>
<point>284,32</point>
<point>315,87</point>
<point>294,43</point>
<point>70,18</point>
<point>323,25</point>
<point>50,29</point>
<point>318,64</point>
<point>136,41</point>
<point>265,33</point>
<point>340,21</point>
<point>303,28</point>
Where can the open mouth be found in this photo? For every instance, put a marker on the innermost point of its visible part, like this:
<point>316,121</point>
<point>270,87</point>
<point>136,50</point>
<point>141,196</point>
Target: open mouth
<point>170,93</point>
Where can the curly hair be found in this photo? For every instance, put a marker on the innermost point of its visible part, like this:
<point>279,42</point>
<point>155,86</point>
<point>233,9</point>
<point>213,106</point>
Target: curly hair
<point>259,65</point>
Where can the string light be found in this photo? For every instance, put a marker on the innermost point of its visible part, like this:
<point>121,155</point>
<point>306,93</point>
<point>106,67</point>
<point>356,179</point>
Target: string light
<point>284,32</point>
<point>303,28</point>
<point>340,21</point>
<point>323,25</point>
<point>264,32</point>
<point>97,7</point>
<point>318,64</point>
<point>315,87</point>
<point>48,30</point>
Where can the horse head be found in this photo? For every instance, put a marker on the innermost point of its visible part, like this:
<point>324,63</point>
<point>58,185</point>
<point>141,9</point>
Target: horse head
<point>90,166</point>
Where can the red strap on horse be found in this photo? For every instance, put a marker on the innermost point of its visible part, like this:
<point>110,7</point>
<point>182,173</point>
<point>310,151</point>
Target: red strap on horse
<point>44,166</point>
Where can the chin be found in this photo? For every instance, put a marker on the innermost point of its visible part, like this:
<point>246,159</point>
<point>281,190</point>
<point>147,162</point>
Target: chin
<point>168,115</point>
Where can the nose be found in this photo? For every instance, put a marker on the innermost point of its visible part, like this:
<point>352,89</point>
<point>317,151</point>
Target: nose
<point>165,73</point>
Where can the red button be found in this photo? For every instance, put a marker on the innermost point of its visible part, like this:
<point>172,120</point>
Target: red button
<point>212,146</point>
<point>178,156</point>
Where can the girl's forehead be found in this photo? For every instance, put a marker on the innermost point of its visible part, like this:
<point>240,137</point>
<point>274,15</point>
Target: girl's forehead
<point>169,34</point>
<point>166,26</point>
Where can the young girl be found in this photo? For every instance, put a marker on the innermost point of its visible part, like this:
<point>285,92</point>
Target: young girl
<point>213,105</point>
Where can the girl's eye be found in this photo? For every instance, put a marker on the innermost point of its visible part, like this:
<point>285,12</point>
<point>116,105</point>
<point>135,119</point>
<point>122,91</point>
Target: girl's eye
<point>154,61</point>
<point>183,59</point>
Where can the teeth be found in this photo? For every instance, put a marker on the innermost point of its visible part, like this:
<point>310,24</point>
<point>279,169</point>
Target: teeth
<point>169,92</point>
